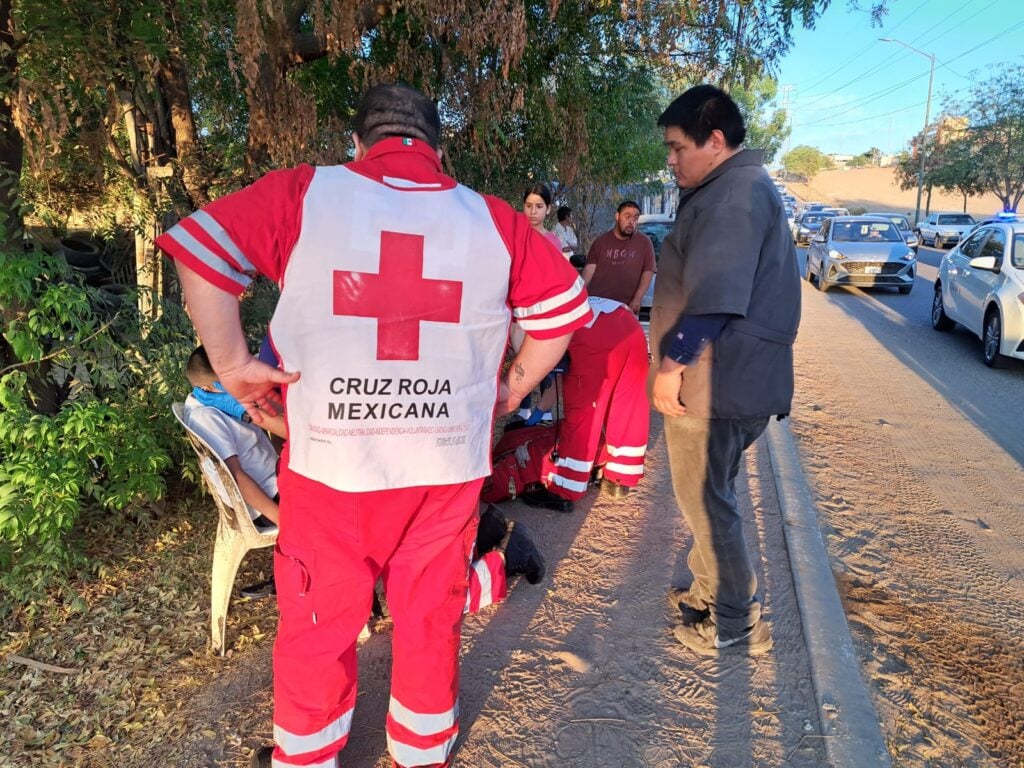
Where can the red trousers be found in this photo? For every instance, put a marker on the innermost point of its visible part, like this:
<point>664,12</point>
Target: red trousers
<point>487,582</point>
<point>605,396</point>
<point>332,548</point>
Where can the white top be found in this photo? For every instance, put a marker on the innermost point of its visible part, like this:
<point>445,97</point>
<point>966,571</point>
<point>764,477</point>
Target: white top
<point>566,235</point>
<point>227,437</point>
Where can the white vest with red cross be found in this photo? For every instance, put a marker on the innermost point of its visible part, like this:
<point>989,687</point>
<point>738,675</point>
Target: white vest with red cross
<point>394,308</point>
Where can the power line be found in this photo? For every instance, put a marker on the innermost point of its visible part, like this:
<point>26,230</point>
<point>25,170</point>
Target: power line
<point>899,55</point>
<point>851,106</point>
<point>863,50</point>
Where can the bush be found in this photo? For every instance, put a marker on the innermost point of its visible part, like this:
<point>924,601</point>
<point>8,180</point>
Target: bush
<point>85,422</point>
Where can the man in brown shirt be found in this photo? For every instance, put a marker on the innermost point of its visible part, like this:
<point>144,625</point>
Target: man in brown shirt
<point>620,263</point>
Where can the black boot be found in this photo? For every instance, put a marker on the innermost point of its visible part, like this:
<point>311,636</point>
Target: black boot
<point>491,530</point>
<point>542,498</point>
<point>522,555</point>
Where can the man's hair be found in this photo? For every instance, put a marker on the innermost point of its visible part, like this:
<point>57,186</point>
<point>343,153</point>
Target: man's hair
<point>627,204</point>
<point>701,110</point>
<point>198,367</point>
<point>392,109</point>
<point>564,213</point>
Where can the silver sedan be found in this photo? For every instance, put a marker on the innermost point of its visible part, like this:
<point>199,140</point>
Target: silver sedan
<point>861,251</point>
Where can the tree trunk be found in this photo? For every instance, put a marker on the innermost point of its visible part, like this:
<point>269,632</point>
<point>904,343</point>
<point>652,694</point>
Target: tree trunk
<point>12,144</point>
<point>928,203</point>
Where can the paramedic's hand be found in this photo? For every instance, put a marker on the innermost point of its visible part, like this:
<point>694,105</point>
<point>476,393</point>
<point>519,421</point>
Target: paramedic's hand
<point>507,401</point>
<point>255,385</point>
<point>634,306</point>
<point>665,391</point>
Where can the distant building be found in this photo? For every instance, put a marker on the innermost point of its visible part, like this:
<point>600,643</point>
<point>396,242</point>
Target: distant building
<point>841,162</point>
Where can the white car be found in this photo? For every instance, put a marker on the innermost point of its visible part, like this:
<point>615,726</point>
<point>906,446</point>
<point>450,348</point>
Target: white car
<point>656,226</point>
<point>981,286</point>
<point>942,229</point>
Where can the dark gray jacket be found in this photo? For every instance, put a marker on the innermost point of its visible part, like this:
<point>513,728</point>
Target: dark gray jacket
<point>731,252</point>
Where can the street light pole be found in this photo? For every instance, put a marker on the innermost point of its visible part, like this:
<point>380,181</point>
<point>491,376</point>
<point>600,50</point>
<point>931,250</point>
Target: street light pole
<point>927,115</point>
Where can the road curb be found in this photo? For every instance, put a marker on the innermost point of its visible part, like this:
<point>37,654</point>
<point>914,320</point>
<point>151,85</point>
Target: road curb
<point>853,738</point>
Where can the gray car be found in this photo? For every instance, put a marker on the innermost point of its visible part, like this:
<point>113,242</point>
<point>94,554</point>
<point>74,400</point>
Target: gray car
<point>903,225</point>
<point>861,251</point>
<point>656,226</point>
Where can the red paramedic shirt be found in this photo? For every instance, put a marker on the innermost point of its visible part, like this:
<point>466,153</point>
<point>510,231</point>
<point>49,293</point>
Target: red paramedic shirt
<point>397,289</point>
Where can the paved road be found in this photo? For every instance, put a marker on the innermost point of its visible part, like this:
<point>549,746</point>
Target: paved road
<point>915,449</point>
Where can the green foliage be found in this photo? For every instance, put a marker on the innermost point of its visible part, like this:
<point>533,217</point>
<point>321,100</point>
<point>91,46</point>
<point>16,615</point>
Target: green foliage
<point>766,130</point>
<point>806,161</point>
<point>989,154</point>
<point>109,438</point>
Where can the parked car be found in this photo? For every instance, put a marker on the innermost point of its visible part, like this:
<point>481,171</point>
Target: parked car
<point>903,225</point>
<point>861,251</point>
<point>980,285</point>
<point>805,227</point>
<point>999,218</point>
<point>656,226</point>
<point>836,211</point>
<point>941,229</point>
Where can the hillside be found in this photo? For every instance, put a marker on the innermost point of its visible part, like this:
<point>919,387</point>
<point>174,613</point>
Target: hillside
<point>876,189</point>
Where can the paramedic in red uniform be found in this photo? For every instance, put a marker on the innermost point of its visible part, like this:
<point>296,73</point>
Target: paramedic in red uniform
<point>397,289</point>
<point>606,412</point>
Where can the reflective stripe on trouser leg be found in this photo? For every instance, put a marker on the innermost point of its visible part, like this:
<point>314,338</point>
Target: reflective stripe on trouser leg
<point>568,476</point>
<point>587,389</point>
<point>487,582</point>
<point>628,419</point>
<point>324,595</point>
<point>426,581</point>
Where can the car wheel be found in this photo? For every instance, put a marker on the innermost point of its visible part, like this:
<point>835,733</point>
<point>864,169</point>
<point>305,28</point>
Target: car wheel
<point>992,339</point>
<point>940,320</point>
<point>905,289</point>
<point>939,242</point>
<point>822,282</point>
<point>808,275</point>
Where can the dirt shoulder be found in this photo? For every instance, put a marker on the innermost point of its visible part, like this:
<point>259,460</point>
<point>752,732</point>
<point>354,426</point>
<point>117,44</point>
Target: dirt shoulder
<point>580,671</point>
<point>876,189</point>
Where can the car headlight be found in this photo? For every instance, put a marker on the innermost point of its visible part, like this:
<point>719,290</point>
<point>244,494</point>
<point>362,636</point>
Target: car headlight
<point>834,254</point>
<point>909,255</point>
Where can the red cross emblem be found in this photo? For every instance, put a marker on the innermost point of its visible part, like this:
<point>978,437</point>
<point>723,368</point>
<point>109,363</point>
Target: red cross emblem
<point>398,296</point>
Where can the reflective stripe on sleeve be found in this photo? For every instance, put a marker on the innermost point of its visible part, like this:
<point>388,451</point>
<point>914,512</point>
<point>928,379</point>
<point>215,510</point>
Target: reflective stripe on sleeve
<point>220,236</point>
<point>188,243</point>
<point>295,744</point>
<point>548,323</point>
<point>553,303</point>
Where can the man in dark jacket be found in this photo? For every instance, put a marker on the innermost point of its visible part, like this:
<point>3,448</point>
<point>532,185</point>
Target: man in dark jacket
<point>725,315</point>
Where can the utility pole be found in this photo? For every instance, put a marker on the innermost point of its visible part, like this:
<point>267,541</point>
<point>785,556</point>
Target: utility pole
<point>786,90</point>
<point>927,116</point>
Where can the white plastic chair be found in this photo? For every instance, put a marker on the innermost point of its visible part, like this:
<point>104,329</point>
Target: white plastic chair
<point>236,533</point>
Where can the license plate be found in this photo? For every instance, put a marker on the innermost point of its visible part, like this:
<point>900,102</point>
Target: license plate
<point>872,270</point>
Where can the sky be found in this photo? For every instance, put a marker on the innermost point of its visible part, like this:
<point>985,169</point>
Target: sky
<point>848,91</point>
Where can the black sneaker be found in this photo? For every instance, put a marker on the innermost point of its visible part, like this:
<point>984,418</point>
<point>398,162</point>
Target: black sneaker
<point>613,489</point>
<point>693,611</point>
<point>706,639</point>
<point>262,757</point>
<point>522,555</point>
<point>264,525</point>
<point>491,531</point>
<point>542,498</point>
<point>259,590</point>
